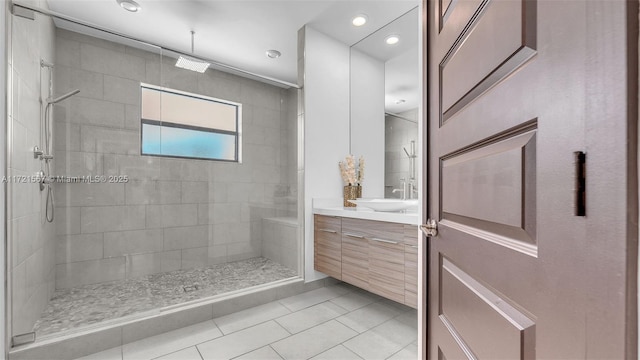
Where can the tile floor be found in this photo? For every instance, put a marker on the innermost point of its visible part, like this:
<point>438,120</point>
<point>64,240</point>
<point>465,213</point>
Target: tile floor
<point>335,322</point>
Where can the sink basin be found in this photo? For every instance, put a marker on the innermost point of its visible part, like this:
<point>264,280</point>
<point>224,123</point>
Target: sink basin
<point>386,204</point>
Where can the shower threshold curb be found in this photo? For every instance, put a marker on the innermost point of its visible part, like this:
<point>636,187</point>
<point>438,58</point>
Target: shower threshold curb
<point>88,340</point>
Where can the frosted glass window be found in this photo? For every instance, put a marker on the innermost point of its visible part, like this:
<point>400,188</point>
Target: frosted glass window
<point>179,124</point>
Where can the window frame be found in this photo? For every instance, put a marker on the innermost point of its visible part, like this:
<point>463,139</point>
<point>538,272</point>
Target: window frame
<point>237,133</point>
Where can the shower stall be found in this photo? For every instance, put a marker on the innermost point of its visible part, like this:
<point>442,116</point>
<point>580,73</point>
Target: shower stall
<point>124,201</point>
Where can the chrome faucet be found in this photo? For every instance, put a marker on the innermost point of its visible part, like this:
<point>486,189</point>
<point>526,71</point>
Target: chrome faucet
<point>403,182</point>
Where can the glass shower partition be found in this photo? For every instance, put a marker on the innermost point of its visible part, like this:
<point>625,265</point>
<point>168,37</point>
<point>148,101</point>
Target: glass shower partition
<point>169,186</point>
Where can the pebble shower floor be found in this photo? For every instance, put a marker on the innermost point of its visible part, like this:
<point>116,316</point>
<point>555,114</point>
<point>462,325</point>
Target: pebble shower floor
<point>91,304</point>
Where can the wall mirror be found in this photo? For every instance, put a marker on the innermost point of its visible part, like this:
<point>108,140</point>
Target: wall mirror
<point>385,104</point>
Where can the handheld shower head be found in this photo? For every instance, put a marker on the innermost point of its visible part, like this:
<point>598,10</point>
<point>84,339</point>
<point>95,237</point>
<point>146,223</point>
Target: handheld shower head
<point>62,97</point>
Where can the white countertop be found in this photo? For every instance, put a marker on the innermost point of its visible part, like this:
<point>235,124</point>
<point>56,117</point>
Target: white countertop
<point>333,207</point>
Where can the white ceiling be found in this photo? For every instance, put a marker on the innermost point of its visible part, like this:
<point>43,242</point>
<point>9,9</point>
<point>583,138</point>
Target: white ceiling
<point>237,32</point>
<point>401,61</point>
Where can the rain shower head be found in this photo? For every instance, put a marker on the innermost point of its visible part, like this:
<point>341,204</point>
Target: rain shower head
<point>190,63</point>
<point>62,97</point>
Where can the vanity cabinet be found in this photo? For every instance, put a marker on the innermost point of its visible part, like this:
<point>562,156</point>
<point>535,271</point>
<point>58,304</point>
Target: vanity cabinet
<point>327,254</point>
<point>411,266</point>
<point>380,257</point>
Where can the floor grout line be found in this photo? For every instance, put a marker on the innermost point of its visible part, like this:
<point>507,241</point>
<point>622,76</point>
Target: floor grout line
<point>199,353</point>
<point>276,351</point>
<point>290,334</point>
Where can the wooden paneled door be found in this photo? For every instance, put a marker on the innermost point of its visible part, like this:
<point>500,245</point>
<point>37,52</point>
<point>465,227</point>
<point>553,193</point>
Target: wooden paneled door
<point>532,259</point>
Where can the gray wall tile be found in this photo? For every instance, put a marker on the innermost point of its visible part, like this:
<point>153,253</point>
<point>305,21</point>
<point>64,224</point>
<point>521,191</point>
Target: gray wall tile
<point>112,218</point>
<point>195,192</point>
<point>66,135</point>
<point>89,83</point>
<point>132,116</point>
<point>78,164</point>
<point>152,192</point>
<point>90,194</point>
<point>89,272</point>
<point>121,90</point>
<point>95,112</point>
<point>110,62</point>
<point>67,220</point>
<point>203,256</point>
<point>73,248</point>
<point>186,237</point>
<point>132,242</point>
<point>172,215</point>
<point>109,141</point>
<point>67,52</point>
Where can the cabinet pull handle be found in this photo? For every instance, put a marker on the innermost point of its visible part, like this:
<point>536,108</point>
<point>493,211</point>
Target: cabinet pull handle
<point>384,241</point>
<point>327,231</point>
<point>354,235</point>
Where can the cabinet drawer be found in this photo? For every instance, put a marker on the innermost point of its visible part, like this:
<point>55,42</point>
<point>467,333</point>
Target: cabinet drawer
<point>411,275</point>
<point>327,223</point>
<point>386,269</point>
<point>355,261</point>
<point>373,229</point>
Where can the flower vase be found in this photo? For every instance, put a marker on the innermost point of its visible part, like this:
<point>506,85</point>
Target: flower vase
<point>351,192</point>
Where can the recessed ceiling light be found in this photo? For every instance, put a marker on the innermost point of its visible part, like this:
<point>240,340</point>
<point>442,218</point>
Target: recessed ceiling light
<point>129,5</point>
<point>392,39</point>
<point>359,20</point>
<point>400,101</point>
<point>273,54</point>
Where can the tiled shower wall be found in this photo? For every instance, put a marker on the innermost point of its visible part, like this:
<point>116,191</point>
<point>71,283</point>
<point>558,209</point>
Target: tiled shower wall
<point>399,132</point>
<point>31,261</point>
<point>172,213</point>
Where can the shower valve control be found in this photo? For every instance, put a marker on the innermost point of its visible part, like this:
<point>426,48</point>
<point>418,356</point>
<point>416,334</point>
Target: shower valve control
<point>37,152</point>
<point>41,179</point>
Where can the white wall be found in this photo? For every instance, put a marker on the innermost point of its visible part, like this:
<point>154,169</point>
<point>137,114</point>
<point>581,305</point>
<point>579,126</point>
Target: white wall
<point>367,120</point>
<point>326,126</point>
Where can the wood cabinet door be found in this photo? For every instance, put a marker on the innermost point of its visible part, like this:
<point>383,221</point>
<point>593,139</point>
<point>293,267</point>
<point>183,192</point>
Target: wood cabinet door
<point>327,245</point>
<point>386,269</point>
<point>355,260</point>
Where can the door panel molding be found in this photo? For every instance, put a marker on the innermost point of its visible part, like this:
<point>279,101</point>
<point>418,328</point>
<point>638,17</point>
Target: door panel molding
<point>489,189</point>
<point>456,348</point>
<point>508,237</point>
<point>467,303</point>
<point>510,24</point>
<point>488,183</point>
<point>446,8</point>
